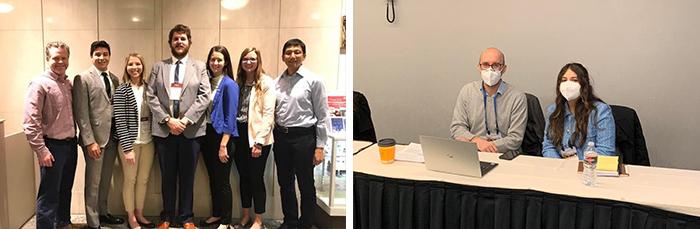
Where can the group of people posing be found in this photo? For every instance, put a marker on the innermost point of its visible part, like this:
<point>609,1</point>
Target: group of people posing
<point>492,114</point>
<point>182,108</point>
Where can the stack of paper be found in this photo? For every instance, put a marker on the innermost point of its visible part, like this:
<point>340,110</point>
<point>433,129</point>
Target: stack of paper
<point>607,166</point>
<point>412,153</point>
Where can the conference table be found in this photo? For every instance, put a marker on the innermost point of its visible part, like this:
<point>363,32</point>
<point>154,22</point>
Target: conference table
<point>526,192</point>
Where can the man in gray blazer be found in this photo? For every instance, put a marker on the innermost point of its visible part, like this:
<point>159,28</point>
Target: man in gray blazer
<point>178,94</point>
<point>93,112</point>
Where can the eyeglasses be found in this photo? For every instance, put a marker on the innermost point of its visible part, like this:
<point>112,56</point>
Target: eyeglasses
<point>249,60</point>
<point>495,66</point>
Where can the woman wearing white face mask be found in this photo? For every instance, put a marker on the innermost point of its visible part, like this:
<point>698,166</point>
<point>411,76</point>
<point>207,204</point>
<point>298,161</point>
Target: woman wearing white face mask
<point>577,117</point>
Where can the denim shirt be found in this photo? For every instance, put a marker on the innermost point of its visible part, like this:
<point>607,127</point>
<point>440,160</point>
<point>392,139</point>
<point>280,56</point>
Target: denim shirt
<point>601,131</point>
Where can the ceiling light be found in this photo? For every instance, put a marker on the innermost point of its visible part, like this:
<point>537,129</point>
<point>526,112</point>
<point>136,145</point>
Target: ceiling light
<point>135,19</point>
<point>233,4</point>
<point>6,8</point>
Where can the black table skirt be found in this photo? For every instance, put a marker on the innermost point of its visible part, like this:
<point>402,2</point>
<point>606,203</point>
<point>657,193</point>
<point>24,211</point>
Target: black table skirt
<point>381,202</point>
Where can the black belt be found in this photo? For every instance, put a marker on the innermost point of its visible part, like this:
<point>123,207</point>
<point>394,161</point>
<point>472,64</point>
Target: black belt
<point>46,138</point>
<point>295,130</point>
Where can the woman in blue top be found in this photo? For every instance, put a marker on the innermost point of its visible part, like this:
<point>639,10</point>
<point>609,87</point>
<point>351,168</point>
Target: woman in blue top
<point>577,117</point>
<point>217,147</point>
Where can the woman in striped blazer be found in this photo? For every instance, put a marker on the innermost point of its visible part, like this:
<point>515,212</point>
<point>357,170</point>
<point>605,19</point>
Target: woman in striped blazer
<point>256,110</point>
<point>132,117</point>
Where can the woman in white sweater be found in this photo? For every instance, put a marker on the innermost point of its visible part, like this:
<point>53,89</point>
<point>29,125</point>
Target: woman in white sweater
<point>255,118</point>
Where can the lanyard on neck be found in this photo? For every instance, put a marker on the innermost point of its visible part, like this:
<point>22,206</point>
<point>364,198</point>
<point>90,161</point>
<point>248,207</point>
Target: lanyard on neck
<point>495,112</point>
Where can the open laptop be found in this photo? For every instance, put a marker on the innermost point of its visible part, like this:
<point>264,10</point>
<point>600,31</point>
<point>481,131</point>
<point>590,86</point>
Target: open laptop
<point>450,156</point>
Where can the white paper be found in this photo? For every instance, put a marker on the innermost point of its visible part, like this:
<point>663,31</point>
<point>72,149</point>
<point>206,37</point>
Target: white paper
<point>410,153</point>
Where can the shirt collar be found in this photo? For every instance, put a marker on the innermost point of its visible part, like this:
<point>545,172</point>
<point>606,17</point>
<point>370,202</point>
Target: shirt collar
<point>183,60</point>
<point>567,111</point>
<point>55,76</point>
<point>501,88</point>
<point>99,73</point>
<point>301,72</point>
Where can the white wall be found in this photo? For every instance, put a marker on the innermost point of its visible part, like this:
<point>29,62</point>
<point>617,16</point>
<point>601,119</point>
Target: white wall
<point>640,54</point>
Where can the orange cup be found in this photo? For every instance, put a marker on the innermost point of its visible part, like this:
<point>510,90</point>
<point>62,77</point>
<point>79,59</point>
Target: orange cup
<point>387,150</point>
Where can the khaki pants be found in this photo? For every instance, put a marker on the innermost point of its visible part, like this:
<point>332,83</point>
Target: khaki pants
<point>136,176</point>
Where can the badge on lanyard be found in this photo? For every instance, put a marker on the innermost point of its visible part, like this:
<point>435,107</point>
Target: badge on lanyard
<point>175,91</point>
<point>495,135</point>
<point>568,152</point>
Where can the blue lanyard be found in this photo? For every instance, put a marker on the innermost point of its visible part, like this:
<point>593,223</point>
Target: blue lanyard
<point>495,112</point>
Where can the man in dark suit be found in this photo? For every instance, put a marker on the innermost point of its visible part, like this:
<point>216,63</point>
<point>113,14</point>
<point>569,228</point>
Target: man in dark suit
<point>92,108</point>
<point>178,94</point>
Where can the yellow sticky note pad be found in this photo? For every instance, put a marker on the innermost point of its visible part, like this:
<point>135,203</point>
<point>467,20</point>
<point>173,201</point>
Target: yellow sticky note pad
<point>607,163</point>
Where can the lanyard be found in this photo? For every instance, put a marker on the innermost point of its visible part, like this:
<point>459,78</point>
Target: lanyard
<point>495,112</point>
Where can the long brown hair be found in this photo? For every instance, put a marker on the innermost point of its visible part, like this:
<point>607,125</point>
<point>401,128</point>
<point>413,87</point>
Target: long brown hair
<point>227,70</point>
<point>126,78</point>
<point>241,77</point>
<point>585,104</point>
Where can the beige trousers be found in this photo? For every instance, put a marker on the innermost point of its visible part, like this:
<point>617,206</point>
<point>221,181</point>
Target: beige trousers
<point>136,176</point>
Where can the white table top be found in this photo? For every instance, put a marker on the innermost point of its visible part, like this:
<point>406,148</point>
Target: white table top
<point>674,190</point>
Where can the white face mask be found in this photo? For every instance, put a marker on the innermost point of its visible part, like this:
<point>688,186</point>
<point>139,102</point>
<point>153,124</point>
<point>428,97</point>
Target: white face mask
<point>490,76</point>
<point>570,90</point>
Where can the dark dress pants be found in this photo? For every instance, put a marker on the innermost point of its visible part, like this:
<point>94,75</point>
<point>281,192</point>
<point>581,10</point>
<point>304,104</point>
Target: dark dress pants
<point>177,156</point>
<point>251,171</point>
<point>294,151</point>
<point>54,197</point>
<point>219,174</point>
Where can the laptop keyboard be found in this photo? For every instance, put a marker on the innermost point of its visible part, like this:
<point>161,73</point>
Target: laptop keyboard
<point>486,167</point>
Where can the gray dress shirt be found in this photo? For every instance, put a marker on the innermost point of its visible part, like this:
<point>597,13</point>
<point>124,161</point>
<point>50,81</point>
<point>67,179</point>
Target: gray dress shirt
<point>302,102</point>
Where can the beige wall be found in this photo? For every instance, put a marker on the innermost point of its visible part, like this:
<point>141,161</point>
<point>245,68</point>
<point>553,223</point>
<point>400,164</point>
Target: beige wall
<point>640,54</point>
<point>142,26</point>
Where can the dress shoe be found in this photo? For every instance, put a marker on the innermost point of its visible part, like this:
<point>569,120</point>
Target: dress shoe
<point>164,225</point>
<point>204,223</point>
<point>148,225</point>
<point>189,225</point>
<point>110,219</point>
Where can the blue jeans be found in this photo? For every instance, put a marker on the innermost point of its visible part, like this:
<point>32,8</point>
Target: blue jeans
<point>53,199</point>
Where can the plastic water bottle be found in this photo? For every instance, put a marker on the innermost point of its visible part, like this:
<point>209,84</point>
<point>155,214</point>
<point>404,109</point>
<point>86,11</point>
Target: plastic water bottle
<point>590,161</point>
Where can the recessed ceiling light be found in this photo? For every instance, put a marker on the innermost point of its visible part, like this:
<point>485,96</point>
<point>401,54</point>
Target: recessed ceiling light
<point>135,19</point>
<point>233,4</point>
<point>6,8</point>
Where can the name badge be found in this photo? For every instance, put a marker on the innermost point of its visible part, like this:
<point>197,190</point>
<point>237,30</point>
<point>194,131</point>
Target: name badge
<point>568,152</point>
<point>493,136</point>
<point>144,119</point>
<point>175,91</point>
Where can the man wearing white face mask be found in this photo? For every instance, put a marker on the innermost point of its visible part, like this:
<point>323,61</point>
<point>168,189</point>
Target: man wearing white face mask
<point>490,112</point>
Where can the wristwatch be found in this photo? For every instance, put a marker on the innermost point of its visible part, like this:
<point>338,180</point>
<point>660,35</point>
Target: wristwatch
<point>258,144</point>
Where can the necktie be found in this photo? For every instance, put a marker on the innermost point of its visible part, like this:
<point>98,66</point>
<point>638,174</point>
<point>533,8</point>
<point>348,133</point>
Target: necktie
<point>176,103</point>
<point>108,86</point>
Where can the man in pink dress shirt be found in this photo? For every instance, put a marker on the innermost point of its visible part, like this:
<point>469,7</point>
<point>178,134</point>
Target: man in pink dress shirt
<point>50,129</point>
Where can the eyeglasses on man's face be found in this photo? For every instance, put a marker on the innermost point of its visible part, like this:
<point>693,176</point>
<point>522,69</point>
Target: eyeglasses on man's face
<point>495,66</point>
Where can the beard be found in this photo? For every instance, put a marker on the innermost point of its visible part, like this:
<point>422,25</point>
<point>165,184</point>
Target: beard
<point>179,55</point>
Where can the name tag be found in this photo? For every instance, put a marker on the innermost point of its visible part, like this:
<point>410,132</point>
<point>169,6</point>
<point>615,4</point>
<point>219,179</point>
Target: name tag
<point>568,152</point>
<point>143,119</point>
<point>175,91</point>
<point>493,136</point>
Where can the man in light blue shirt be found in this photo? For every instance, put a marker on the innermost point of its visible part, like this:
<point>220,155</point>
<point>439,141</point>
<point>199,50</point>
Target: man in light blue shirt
<point>301,117</point>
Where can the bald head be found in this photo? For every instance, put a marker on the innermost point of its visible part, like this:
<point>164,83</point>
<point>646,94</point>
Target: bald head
<point>492,55</point>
